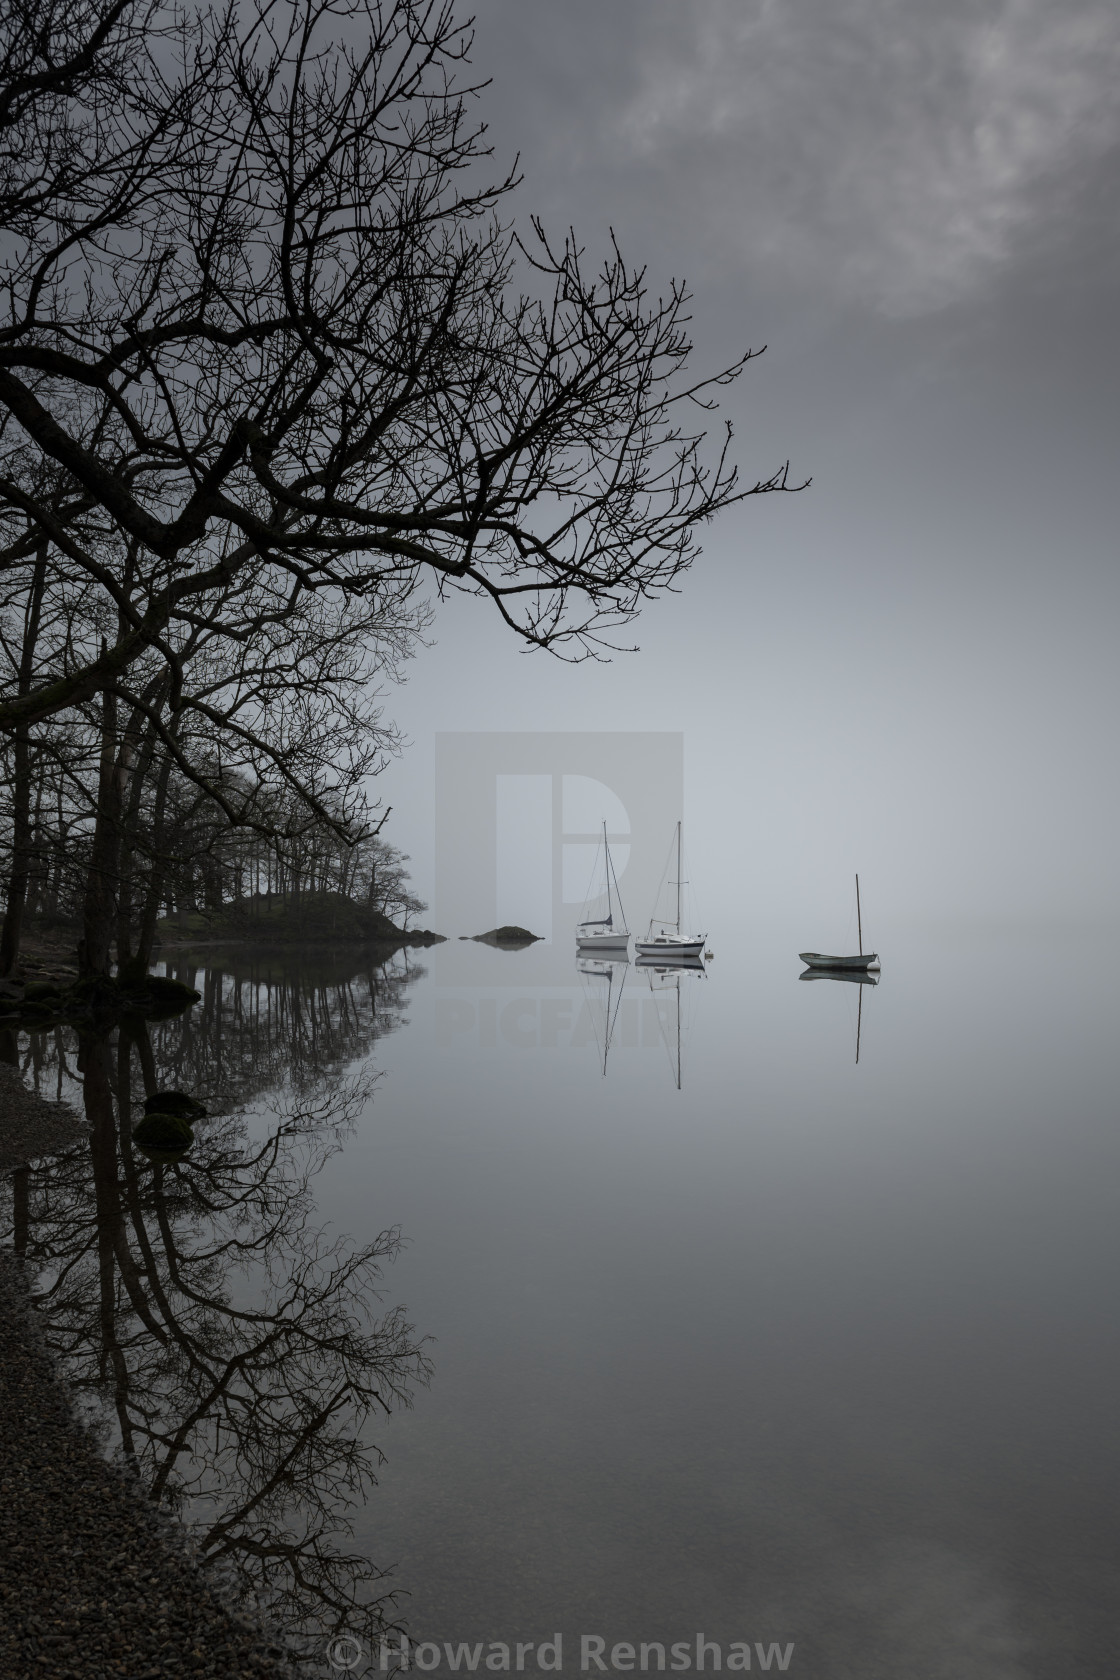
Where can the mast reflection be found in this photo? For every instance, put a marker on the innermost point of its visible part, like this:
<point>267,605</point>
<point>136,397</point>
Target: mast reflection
<point>852,977</point>
<point>604,1008</point>
<point>666,976</point>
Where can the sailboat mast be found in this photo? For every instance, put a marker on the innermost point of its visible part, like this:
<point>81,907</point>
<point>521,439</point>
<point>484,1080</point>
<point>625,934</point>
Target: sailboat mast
<point>678,881</point>
<point>859,923</point>
<point>607,873</point>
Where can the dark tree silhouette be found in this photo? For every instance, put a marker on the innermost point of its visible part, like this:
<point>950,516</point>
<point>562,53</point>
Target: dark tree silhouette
<point>262,319</point>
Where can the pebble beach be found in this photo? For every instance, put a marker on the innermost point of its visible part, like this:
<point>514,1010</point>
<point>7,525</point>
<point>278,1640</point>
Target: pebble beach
<point>94,1583</point>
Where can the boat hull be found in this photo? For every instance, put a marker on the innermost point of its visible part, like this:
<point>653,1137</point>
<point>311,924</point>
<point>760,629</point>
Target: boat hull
<point>818,959</point>
<point>856,976</point>
<point>602,941</point>
<point>670,949</point>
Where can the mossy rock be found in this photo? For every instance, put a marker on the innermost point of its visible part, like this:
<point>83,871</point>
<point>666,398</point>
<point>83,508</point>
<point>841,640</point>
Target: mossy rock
<point>162,998</point>
<point>39,1009</point>
<point>175,1102</point>
<point>41,991</point>
<point>165,990</point>
<point>163,1134</point>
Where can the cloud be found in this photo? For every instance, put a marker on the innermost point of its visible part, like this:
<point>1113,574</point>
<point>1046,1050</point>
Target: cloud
<point>898,147</point>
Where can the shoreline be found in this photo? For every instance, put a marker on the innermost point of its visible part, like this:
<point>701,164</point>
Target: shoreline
<point>45,956</point>
<point>30,1126</point>
<point>96,1583</point>
<point>297,946</point>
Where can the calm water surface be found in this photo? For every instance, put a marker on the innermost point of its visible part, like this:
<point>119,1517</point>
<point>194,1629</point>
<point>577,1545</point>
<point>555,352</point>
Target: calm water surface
<point>730,1335</point>
<point>800,1351</point>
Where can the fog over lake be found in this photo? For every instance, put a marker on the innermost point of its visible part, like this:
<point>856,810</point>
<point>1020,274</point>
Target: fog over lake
<point>769,1313</point>
<point>807,1351</point>
<point>912,210</point>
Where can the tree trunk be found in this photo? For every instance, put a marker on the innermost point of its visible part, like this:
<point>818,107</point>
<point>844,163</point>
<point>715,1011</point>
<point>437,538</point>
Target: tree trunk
<point>133,768</point>
<point>54,884</point>
<point>146,936</point>
<point>99,909</point>
<point>21,782</point>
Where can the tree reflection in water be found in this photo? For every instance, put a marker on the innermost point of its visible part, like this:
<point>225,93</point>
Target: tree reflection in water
<point>233,1347</point>
<point>263,1023</point>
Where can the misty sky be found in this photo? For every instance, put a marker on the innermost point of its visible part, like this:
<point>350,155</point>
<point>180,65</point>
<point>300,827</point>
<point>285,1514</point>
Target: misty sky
<point>911,668</point>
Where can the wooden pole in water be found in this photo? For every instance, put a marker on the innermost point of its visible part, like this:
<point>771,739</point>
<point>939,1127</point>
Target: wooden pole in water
<point>859,923</point>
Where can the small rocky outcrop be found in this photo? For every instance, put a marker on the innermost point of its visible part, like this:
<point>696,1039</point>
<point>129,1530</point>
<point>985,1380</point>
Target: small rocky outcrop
<point>282,919</point>
<point>506,938</point>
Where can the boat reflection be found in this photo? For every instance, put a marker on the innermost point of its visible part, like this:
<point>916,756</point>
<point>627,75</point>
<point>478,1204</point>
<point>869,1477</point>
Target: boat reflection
<point>854,977</point>
<point>665,977</point>
<point>676,965</point>
<point>604,998</point>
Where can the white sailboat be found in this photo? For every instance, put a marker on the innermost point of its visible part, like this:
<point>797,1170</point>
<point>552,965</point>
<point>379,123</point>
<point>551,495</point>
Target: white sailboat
<point>665,939</point>
<point>604,933</point>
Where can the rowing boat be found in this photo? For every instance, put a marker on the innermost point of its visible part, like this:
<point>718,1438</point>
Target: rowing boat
<point>818,959</point>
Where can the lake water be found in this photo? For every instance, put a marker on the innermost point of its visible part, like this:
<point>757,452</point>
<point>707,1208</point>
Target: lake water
<point>800,1351</point>
<point>792,1352</point>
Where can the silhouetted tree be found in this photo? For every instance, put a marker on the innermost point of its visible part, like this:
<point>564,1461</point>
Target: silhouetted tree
<point>261,314</point>
<point>273,371</point>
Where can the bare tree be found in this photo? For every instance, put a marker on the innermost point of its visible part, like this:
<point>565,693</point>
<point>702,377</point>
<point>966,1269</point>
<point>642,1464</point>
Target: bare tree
<point>271,734</point>
<point>261,313</point>
<point>45,768</point>
<point>22,844</point>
